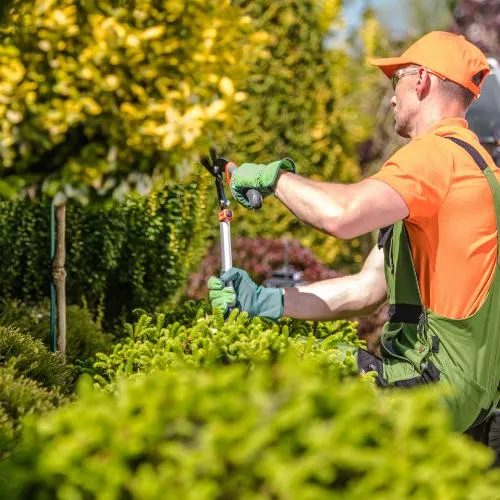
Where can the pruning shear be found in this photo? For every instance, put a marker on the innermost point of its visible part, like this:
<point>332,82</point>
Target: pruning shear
<point>220,167</point>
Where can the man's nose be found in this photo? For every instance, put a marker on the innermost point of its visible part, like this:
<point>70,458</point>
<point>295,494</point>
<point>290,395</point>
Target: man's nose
<point>393,101</point>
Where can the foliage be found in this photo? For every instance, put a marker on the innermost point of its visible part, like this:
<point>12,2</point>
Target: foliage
<point>288,431</point>
<point>21,396</point>
<point>32,381</point>
<point>202,340</point>
<point>98,98</point>
<point>138,254</point>
<point>31,359</point>
<point>304,102</point>
<point>259,257</point>
<point>85,336</point>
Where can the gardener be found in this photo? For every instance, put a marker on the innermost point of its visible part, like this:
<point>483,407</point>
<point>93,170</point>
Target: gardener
<point>436,202</point>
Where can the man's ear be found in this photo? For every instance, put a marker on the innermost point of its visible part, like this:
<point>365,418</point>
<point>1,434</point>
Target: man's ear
<point>423,83</point>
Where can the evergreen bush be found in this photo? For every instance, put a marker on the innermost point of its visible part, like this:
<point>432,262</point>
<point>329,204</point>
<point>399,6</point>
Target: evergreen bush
<point>292,430</point>
<point>85,336</point>
<point>21,396</point>
<point>138,254</point>
<point>202,340</point>
<point>31,359</point>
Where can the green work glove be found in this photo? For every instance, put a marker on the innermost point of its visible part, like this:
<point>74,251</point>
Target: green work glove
<point>257,176</point>
<point>246,296</point>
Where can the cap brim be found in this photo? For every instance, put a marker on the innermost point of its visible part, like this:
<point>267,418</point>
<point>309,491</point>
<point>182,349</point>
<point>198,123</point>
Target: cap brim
<point>389,64</point>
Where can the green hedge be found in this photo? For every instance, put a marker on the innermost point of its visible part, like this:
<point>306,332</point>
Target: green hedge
<point>292,430</point>
<point>138,254</point>
<point>32,381</point>
<point>31,358</point>
<point>85,336</point>
<point>21,396</point>
<point>201,340</point>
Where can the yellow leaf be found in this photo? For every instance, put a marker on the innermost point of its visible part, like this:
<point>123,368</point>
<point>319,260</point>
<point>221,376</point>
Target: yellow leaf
<point>14,116</point>
<point>153,33</point>
<point>226,86</point>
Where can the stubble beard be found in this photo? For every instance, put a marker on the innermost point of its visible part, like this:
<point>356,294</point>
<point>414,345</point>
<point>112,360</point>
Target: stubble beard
<point>401,127</point>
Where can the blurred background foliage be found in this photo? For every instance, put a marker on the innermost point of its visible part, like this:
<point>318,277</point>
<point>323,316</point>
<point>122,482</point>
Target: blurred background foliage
<point>137,254</point>
<point>97,100</point>
<point>100,99</point>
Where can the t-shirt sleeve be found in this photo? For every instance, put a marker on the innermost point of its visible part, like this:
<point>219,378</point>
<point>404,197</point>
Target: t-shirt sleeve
<point>420,172</point>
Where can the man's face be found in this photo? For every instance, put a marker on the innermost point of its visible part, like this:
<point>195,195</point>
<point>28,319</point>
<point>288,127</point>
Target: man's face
<point>405,102</point>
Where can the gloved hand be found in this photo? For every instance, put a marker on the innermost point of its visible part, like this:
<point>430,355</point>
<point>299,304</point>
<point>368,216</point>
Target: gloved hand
<point>257,176</point>
<point>246,295</point>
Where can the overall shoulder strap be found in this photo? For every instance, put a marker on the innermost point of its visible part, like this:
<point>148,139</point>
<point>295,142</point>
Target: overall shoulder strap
<point>492,180</point>
<point>476,156</point>
<point>488,172</point>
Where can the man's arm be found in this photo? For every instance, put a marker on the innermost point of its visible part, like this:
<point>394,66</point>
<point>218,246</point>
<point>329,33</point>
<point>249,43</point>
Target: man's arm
<point>344,297</point>
<point>342,210</point>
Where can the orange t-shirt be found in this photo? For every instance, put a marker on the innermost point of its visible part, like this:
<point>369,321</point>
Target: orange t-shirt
<point>451,222</point>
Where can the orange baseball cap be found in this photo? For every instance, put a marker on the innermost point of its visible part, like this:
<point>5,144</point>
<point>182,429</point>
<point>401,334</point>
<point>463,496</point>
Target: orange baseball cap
<point>446,54</point>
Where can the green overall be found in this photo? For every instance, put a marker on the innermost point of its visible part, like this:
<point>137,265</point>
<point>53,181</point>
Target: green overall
<point>419,346</point>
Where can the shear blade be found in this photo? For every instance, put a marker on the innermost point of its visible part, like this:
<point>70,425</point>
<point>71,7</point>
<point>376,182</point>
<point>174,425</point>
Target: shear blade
<point>213,154</point>
<point>207,164</point>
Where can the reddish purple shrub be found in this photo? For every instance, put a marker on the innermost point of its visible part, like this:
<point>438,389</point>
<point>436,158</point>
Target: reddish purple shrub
<point>259,257</point>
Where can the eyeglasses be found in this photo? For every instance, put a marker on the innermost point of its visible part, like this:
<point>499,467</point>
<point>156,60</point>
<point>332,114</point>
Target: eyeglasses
<point>398,74</point>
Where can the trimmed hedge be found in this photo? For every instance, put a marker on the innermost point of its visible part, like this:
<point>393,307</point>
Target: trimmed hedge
<point>201,340</point>
<point>138,254</point>
<point>292,430</point>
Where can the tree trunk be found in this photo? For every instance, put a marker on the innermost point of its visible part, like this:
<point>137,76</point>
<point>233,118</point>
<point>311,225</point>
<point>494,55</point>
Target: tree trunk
<point>59,276</point>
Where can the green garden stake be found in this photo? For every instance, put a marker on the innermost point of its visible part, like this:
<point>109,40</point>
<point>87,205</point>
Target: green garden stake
<point>53,309</point>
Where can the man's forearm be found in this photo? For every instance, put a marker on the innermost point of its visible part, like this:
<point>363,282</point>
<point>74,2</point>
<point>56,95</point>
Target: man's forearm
<point>338,298</point>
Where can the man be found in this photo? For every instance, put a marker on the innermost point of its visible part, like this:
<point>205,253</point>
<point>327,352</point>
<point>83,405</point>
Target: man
<point>437,204</point>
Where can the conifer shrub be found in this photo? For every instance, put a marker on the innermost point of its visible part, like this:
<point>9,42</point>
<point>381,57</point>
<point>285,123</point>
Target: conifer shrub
<point>20,396</point>
<point>85,335</point>
<point>201,340</point>
<point>293,430</point>
<point>31,359</point>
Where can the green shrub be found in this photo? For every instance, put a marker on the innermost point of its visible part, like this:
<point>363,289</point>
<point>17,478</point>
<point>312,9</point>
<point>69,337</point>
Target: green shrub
<point>294,431</point>
<point>31,359</point>
<point>138,254</point>
<point>21,396</point>
<point>209,341</point>
<point>85,336</point>
<point>100,98</point>
<point>307,102</point>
